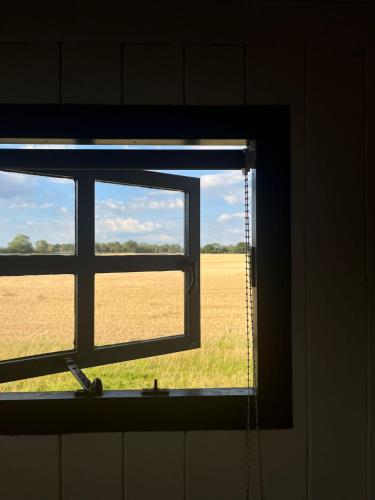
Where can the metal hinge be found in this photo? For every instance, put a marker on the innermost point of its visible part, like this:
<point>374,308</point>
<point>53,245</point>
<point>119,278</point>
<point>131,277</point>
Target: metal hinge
<point>253,267</point>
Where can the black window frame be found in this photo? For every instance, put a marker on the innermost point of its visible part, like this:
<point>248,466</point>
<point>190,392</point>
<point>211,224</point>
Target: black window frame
<point>269,127</point>
<point>85,264</point>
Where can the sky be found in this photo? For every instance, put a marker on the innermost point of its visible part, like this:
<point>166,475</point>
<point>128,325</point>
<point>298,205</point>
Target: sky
<point>43,208</point>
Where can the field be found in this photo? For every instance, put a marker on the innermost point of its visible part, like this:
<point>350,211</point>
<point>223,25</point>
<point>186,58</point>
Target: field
<point>36,316</point>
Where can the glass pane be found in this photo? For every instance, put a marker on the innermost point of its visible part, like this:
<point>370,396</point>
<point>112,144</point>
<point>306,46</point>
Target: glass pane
<point>37,214</point>
<point>132,219</point>
<point>138,306</point>
<point>221,360</point>
<point>36,315</point>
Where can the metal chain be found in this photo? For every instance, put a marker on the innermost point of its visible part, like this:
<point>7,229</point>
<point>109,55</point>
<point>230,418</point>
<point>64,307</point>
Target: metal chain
<point>251,350</point>
<point>248,350</point>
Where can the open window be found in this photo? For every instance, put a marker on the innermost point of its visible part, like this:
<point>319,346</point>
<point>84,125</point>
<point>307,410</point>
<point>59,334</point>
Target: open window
<point>93,339</point>
<point>87,167</point>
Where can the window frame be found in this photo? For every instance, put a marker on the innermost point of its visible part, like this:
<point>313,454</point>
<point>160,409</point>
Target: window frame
<point>84,264</point>
<point>269,127</point>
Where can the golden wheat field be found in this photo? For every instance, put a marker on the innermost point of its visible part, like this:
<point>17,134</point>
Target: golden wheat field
<point>37,316</point>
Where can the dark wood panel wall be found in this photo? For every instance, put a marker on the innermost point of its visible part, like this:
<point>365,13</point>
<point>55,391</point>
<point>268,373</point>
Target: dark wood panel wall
<point>318,60</point>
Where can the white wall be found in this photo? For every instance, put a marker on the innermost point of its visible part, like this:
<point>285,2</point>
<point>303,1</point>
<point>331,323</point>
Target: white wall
<point>229,53</point>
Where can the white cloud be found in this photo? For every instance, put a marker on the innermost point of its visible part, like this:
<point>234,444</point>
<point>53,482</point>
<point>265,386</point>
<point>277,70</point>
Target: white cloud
<point>136,204</point>
<point>224,179</point>
<point>177,203</point>
<point>226,217</point>
<point>24,204</point>
<point>112,204</point>
<point>37,223</point>
<point>119,205</point>
<point>128,225</point>
<point>140,203</point>
<point>232,199</point>
<point>64,210</point>
<point>60,180</point>
<point>50,223</point>
<point>161,192</point>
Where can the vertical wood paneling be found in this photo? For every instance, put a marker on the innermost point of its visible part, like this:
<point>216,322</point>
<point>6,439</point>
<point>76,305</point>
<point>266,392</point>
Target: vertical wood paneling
<point>153,74</point>
<point>284,464</point>
<point>216,465</point>
<point>215,74</point>
<point>337,339</point>
<point>91,73</point>
<point>275,75</point>
<point>155,22</point>
<point>370,194</point>
<point>29,73</point>
<point>30,21</point>
<point>29,467</point>
<point>155,465</point>
<point>92,466</point>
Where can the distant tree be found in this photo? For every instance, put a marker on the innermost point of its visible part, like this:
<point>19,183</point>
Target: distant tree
<point>53,248</point>
<point>213,248</point>
<point>130,246</point>
<point>66,248</point>
<point>41,246</point>
<point>175,248</point>
<point>20,244</point>
<point>219,248</point>
<point>241,247</point>
<point>99,247</point>
<point>116,247</point>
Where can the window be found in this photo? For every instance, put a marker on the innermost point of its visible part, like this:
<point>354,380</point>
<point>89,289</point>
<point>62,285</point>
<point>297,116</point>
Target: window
<point>86,258</point>
<point>96,340</point>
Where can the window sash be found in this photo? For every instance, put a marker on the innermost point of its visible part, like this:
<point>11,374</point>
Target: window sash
<point>85,264</point>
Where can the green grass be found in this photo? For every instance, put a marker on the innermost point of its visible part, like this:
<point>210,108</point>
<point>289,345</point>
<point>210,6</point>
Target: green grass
<point>220,362</point>
<point>220,365</point>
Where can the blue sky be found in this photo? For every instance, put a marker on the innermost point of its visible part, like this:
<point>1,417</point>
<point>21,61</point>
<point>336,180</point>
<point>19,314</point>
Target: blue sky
<point>43,208</point>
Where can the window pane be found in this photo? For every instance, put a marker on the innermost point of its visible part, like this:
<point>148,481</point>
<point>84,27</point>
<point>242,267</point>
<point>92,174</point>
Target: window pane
<point>221,360</point>
<point>37,214</point>
<point>36,315</point>
<point>131,219</point>
<point>138,306</point>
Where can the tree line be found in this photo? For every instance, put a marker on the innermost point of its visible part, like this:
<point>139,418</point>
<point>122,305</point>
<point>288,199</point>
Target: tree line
<point>21,244</point>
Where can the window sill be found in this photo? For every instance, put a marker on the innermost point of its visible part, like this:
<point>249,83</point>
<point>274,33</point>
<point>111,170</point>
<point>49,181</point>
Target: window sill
<point>190,409</point>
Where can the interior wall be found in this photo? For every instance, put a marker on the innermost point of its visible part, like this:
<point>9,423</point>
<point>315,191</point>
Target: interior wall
<point>318,59</point>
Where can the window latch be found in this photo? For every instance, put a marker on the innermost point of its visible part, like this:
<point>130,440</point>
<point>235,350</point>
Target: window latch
<point>89,389</point>
<point>155,391</point>
<point>192,269</point>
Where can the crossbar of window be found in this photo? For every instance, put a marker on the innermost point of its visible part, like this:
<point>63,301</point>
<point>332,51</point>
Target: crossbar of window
<point>48,364</point>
